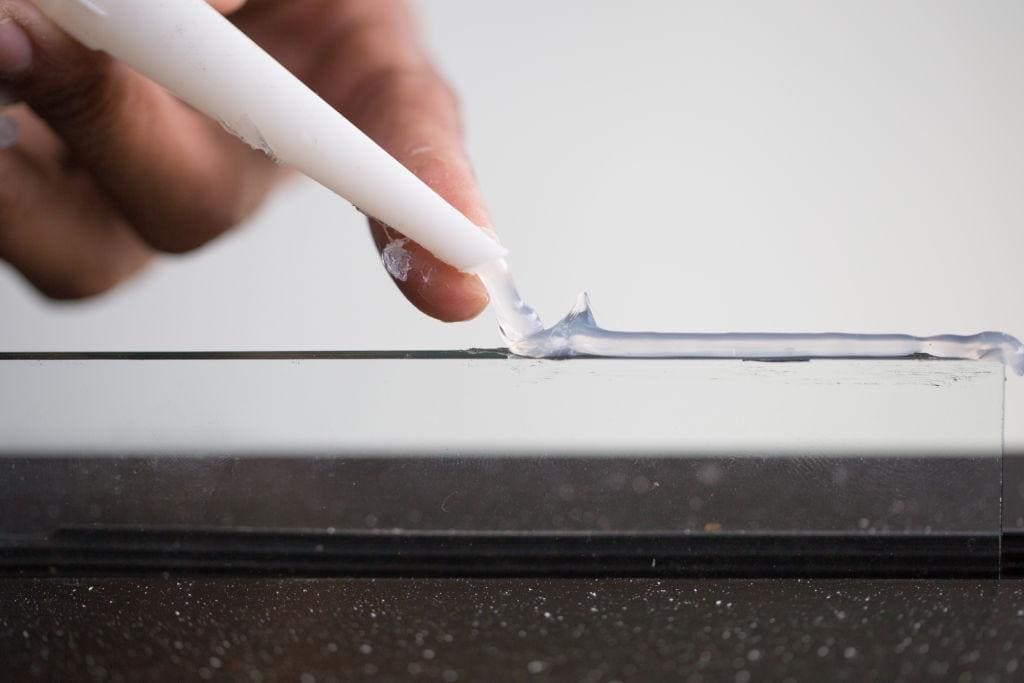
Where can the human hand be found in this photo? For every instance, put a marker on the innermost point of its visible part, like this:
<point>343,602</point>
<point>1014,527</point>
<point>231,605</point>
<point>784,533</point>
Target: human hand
<point>100,168</point>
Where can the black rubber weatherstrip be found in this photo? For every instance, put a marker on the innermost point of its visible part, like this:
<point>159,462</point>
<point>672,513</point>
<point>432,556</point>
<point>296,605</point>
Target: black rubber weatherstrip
<point>133,551</point>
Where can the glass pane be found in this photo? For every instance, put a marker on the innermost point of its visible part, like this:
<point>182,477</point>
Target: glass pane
<point>487,464</point>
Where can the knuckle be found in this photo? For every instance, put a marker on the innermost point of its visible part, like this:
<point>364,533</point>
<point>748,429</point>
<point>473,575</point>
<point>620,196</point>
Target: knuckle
<point>87,101</point>
<point>82,282</point>
<point>12,209</point>
<point>437,169</point>
<point>447,90</point>
<point>406,87</point>
<point>71,289</point>
<point>174,240</point>
<point>208,216</point>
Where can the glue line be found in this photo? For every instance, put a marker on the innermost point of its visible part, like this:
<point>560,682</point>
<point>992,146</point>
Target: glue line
<point>578,334</point>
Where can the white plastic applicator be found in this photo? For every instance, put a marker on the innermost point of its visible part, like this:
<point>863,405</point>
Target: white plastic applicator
<point>189,48</point>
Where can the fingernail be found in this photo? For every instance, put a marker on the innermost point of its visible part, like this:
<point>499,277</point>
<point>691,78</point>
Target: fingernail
<point>15,49</point>
<point>8,131</point>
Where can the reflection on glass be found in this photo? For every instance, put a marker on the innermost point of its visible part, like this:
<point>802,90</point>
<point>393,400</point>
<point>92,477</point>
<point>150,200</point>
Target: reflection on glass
<point>488,464</point>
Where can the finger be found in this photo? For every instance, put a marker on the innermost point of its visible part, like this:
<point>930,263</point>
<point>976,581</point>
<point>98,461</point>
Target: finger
<point>175,176</point>
<point>55,228</point>
<point>437,289</point>
<point>401,102</point>
<point>29,137</point>
<point>371,66</point>
<point>413,116</point>
<point>227,6</point>
<point>6,97</point>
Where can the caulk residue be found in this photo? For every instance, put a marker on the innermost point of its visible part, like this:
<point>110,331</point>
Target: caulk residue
<point>578,334</point>
<point>397,259</point>
<point>246,130</point>
<point>517,320</point>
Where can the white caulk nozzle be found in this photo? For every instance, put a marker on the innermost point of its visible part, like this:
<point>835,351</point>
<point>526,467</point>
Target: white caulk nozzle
<point>189,48</point>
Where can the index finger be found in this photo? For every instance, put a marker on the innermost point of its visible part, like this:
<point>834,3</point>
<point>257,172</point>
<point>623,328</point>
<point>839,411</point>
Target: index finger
<point>370,64</point>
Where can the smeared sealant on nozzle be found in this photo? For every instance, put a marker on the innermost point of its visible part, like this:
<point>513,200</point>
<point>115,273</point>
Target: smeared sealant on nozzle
<point>517,320</point>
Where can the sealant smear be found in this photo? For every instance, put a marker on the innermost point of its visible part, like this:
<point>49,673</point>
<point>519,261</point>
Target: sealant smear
<point>397,259</point>
<point>578,334</point>
<point>517,320</point>
<point>248,132</point>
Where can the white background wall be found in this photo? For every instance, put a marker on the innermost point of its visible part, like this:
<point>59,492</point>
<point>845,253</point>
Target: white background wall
<point>792,165</point>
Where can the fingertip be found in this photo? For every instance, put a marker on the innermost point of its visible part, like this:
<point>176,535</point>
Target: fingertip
<point>440,291</point>
<point>443,293</point>
<point>465,299</point>
<point>451,311</point>
<point>227,6</point>
<point>435,288</point>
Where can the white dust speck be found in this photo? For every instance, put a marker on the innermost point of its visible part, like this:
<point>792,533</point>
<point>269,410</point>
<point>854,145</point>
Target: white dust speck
<point>536,666</point>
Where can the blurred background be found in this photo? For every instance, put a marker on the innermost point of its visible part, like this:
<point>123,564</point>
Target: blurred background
<point>699,166</point>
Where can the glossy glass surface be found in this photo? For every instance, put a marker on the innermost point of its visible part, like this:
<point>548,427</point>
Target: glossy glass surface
<point>478,463</point>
